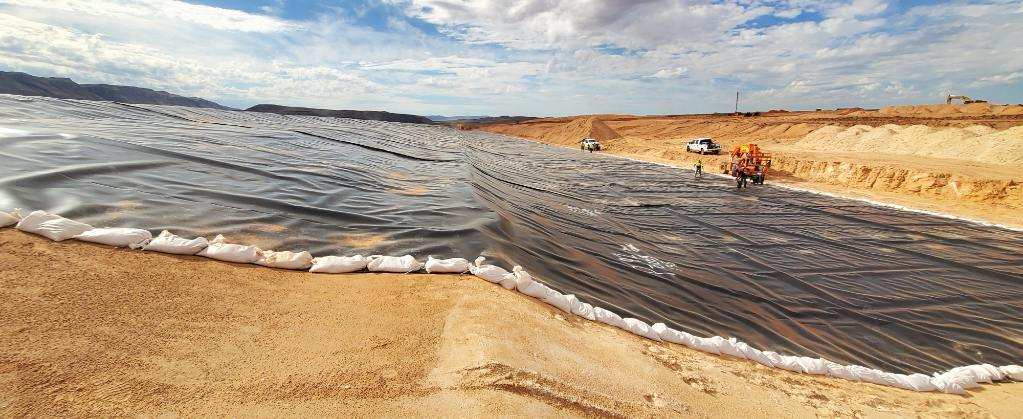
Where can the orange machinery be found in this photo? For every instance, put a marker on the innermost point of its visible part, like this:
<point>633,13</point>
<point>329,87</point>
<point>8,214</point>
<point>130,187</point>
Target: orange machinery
<point>746,161</point>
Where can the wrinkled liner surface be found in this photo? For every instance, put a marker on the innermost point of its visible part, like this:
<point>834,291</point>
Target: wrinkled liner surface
<point>956,380</point>
<point>784,270</point>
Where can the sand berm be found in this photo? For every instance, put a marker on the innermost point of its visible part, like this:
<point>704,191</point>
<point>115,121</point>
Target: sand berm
<point>89,330</point>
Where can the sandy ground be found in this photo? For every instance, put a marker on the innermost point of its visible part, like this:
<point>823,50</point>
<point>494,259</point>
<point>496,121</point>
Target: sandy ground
<point>89,330</point>
<point>977,177</point>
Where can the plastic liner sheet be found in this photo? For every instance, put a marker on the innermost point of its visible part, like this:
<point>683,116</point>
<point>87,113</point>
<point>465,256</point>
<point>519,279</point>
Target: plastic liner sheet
<point>784,270</point>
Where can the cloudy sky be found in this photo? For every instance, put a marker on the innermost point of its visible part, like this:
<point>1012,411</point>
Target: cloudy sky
<point>528,57</point>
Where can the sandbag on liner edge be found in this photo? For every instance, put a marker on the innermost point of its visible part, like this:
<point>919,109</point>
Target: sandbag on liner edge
<point>51,226</point>
<point>490,273</point>
<point>133,238</point>
<point>167,242</point>
<point>446,266</point>
<point>956,380</point>
<point>338,264</point>
<point>219,249</point>
<point>394,264</point>
<point>10,218</point>
<point>285,259</point>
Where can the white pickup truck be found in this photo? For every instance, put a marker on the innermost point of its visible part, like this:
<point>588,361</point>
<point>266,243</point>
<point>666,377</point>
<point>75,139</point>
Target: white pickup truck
<point>703,146</point>
<point>589,144</point>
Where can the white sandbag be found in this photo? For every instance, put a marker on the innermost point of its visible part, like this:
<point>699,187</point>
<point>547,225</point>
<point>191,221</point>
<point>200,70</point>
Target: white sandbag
<point>641,328</point>
<point>995,374</point>
<point>338,264</point>
<point>842,371</point>
<point>117,236</point>
<point>1014,372</point>
<point>886,379</point>
<point>709,345</point>
<point>608,317</point>
<point>803,364</point>
<point>508,282</point>
<point>10,218</point>
<point>525,284</point>
<point>915,382</point>
<point>870,375</point>
<point>489,273</point>
<point>563,302</point>
<point>754,354</point>
<point>955,379</point>
<point>166,242</point>
<point>285,260</point>
<point>446,266</point>
<point>814,366</point>
<point>534,289</point>
<point>51,226</point>
<point>768,359</point>
<point>947,385</point>
<point>730,347</point>
<point>980,373</point>
<point>789,363</point>
<point>584,310</point>
<point>966,377</point>
<point>668,334</point>
<point>228,252</point>
<point>394,264</point>
<point>861,373</point>
<point>522,278</point>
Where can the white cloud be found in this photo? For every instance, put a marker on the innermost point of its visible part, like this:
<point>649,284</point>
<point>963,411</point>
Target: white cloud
<point>173,10</point>
<point>1000,79</point>
<point>541,24</point>
<point>858,8</point>
<point>530,56</point>
<point>788,14</point>
<point>668,73</point>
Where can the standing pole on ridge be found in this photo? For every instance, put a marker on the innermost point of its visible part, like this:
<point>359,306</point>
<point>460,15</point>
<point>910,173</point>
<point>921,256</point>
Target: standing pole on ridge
<point>736,102</point>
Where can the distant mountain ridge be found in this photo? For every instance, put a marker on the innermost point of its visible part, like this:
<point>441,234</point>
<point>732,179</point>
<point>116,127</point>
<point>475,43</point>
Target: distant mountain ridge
<point>17,83</point>
<point>331,113</point>
<point>442,118</point>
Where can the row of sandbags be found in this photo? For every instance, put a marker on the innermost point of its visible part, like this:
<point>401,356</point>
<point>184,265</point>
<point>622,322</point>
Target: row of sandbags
<point>956,380</point>
<point>59,228</point>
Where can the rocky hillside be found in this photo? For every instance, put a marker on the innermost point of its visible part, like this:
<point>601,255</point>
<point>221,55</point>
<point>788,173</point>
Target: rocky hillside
<point>64,88</point>
<point>372,115</point>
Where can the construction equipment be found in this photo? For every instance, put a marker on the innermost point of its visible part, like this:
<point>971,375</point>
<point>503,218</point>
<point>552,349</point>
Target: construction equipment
<point>748,163</point>
<point>966,99</point>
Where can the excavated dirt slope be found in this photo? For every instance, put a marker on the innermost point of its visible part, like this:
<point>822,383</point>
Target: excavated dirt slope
<point>978,143</point>
<point>572,131</point>
<point>925,157</point>
<point>945,111</point>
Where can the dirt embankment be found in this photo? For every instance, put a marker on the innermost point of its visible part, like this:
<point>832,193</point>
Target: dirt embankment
<point>951,111</point>
<point>89,330</point>
<point>925,157</point>
<point>564,132</point>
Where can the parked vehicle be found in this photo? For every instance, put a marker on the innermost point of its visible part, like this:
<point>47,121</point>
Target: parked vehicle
<point>703,146</point>
<point>589,144</point>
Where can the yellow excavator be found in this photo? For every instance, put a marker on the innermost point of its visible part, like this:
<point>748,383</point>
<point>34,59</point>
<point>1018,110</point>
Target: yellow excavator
<point>965,99</point>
